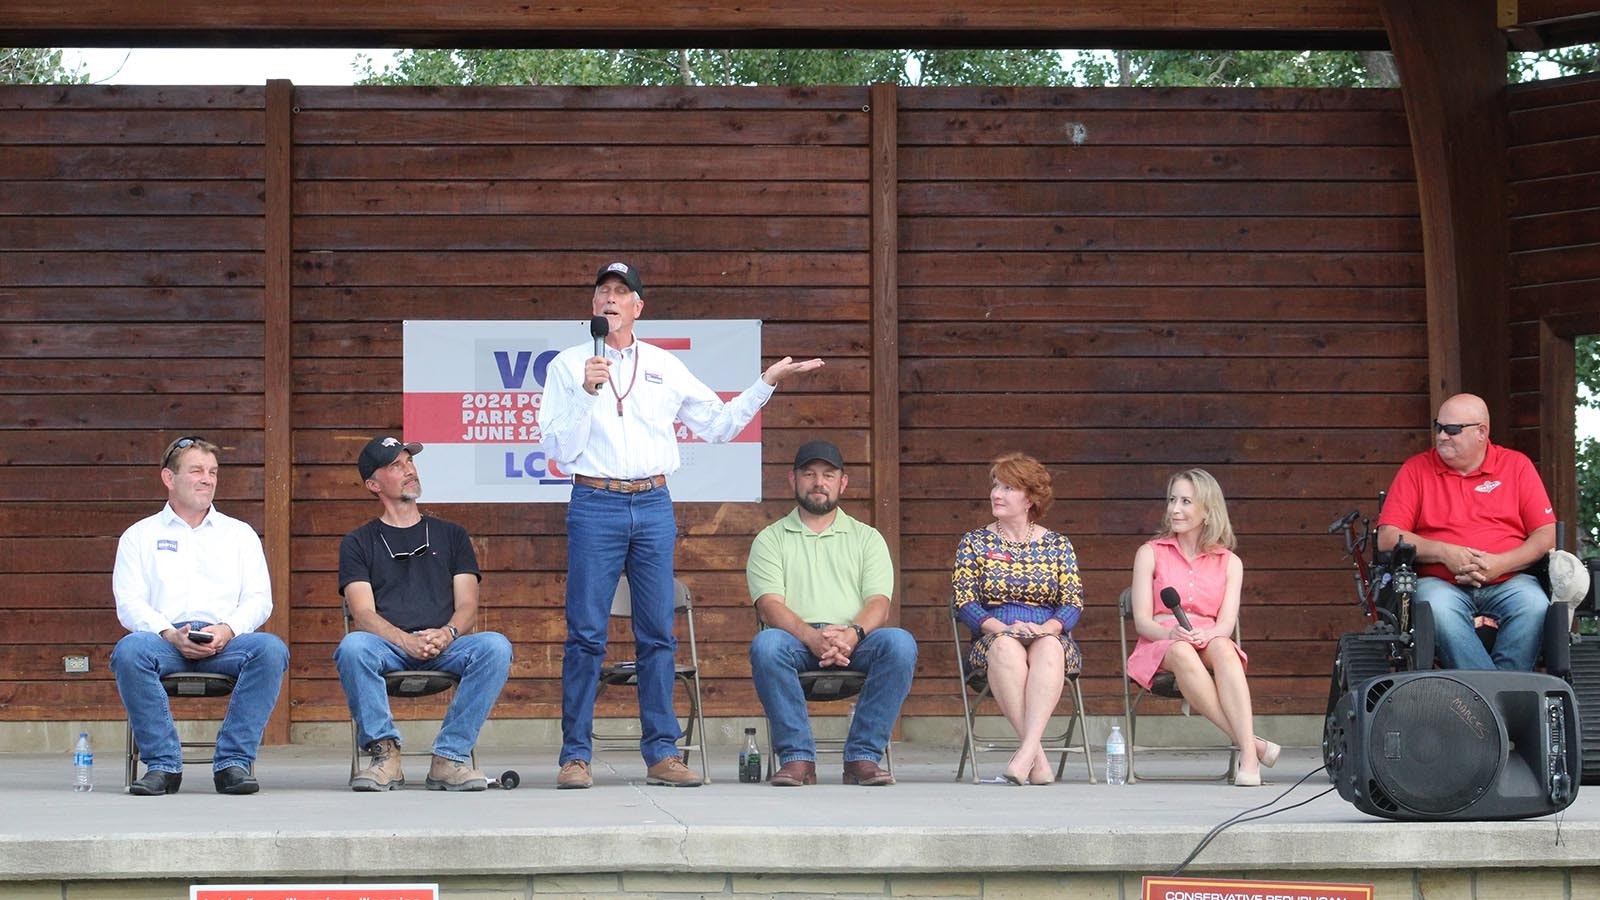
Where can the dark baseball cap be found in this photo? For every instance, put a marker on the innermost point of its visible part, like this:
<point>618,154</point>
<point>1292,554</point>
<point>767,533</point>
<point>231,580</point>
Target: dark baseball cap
<point>380,451</point>
<point>814,450</point>
<point>624,271</point>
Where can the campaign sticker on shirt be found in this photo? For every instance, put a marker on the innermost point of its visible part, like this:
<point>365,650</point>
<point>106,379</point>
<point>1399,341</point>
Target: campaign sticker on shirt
<point>167,544</point>
<point>652,377</point>
<point>1000,555</point>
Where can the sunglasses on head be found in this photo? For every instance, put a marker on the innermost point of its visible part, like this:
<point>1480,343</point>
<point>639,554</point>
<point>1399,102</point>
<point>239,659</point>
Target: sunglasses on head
<point>409,553</point>
<point>178,446</point>
<point>1454,428</point>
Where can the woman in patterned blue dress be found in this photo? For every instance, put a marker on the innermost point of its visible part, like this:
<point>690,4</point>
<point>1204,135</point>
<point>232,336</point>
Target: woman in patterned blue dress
<point>1016,587</point>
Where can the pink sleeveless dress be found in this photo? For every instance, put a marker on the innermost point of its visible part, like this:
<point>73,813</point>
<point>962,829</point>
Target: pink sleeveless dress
<point>1200,584</point>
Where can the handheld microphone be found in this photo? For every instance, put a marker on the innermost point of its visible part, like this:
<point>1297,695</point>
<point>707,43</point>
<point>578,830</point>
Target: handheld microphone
<point>1169,597</point>
<point>599,327</point>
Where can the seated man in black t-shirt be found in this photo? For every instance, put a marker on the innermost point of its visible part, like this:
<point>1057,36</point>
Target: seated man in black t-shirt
<point>410,583</point>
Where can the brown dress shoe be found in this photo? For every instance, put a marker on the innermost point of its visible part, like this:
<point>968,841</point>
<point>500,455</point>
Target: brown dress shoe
<point>866,772</point>
<point>795,773</point>
<point>672,773</point>
<point>574,776</point>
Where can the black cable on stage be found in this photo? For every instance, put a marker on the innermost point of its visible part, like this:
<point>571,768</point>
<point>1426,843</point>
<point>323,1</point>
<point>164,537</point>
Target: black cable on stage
<point>1241,817</point>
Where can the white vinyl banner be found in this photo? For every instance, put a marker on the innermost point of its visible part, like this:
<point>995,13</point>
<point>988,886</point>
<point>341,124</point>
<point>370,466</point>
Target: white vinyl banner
<point>472,395</point>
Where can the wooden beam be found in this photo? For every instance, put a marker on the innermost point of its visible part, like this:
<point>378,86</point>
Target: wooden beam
<point>1558,393</point>
<point>884,230</point>
<point>1157,24</point>
<point>276,424</point>
<point>1451,60</point>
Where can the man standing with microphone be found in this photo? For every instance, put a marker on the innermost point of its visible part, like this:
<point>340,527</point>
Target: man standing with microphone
<point>608,418</point>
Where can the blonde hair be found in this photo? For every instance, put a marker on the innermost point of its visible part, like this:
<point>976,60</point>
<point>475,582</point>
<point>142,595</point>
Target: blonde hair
<point>1027,475</point>
<point>1217,531</point>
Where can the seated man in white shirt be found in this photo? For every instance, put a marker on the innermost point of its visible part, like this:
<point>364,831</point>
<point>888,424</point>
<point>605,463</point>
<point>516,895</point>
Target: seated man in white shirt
<point>191,587</point>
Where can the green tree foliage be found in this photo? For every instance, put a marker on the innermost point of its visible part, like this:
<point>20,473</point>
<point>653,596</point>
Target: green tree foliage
<point>1227,68</point>
<point>1581,59</point>
<point>1586,357</point>
<point>721,67</point>
<point>37,65</point>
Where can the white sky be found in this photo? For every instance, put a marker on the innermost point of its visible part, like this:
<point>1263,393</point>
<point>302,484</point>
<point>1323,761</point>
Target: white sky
<point>219,65</point>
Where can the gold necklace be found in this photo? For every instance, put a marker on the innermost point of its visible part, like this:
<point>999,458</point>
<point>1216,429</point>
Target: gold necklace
<point>1027,535</point>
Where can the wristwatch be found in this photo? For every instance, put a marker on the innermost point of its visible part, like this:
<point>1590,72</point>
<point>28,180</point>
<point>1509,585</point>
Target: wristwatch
<point>861,633</point>
<point>453,632</point>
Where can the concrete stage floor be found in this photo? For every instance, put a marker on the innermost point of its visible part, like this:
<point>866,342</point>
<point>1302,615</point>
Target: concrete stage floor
<point>305,823</point>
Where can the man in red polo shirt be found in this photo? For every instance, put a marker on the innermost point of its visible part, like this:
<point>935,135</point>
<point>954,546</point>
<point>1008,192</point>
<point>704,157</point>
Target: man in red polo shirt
<point>1478,515</point>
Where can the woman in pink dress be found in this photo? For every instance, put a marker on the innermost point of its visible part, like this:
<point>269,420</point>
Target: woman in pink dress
<point>1193,555</point>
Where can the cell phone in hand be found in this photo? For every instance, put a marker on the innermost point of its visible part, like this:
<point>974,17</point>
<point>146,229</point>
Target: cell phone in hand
<point>202,637</point>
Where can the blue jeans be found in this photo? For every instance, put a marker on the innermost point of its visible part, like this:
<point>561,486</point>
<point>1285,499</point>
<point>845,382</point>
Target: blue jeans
<point>1518,604</point>
<point>609,533</point>
<point>482,659</point>
<point>140,660</point>
<point>887,656</point>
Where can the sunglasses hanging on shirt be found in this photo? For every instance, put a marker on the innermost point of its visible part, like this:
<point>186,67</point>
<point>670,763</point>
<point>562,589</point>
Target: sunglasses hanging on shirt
<point>409,553</point>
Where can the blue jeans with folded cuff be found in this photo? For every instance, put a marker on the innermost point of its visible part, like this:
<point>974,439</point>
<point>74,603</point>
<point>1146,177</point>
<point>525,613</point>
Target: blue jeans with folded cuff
<point>609,533</point>
<point>1518,604</point>
<point>888,657</point>
<point>141,659</point>
<point>482,659</point>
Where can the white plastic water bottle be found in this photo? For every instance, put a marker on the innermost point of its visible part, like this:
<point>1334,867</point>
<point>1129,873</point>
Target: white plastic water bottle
<point>1116,757</point>
<point>82,764</point>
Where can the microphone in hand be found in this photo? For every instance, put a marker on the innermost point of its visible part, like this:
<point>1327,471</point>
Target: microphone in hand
<point>1169,598</point>
<point>599,327</point>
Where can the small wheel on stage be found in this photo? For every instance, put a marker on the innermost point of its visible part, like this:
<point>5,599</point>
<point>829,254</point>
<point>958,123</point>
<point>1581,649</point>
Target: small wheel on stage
<point>509,779</point>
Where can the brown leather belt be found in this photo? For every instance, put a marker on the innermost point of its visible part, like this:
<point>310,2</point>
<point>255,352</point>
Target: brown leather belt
<point>622,485</point>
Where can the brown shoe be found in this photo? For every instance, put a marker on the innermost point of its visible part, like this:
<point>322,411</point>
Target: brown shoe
<point>450,775</point>
<point>574,775</point>
<point>794,774</point>
<point>866,772</point>
<point>672,773</point>
<point>385,773</point>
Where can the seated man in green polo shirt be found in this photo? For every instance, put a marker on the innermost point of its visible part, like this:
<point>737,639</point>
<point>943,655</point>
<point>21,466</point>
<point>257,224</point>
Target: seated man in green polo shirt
<point>821,582</point>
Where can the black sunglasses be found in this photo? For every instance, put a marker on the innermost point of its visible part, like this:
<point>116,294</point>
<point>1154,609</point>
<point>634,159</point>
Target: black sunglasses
<point>1453,429</point>
<point>409,553</point>
<point>177,447</point>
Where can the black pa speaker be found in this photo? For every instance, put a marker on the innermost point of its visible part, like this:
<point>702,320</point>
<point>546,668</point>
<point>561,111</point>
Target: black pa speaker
<point>1457,744</point>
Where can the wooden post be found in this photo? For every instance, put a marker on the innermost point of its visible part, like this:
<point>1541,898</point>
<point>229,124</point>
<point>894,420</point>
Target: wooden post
<point>1452,66</point>
<point>277,447</point>
<point>885,441</point>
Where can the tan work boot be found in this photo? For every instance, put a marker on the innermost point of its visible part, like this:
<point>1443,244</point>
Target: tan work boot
<point>449,775</point>
<point>385,773</point>
<point>672,773</point>
<point>574,776</point>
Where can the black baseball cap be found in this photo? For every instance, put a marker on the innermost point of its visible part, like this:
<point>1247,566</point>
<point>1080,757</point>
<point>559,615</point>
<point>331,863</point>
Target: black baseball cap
<point>380,451</point>
<point>822,450</point>
<point>624,271</point>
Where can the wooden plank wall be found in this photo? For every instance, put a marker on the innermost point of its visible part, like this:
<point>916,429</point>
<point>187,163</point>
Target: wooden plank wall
<point>1127,283</point>
<point>502,204</point>
<point>1554,200</point>
<point>1122,282</point>
<point>131,239</point>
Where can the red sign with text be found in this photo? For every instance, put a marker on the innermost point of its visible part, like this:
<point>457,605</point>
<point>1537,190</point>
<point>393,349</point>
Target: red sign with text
<point>1157,888</point>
